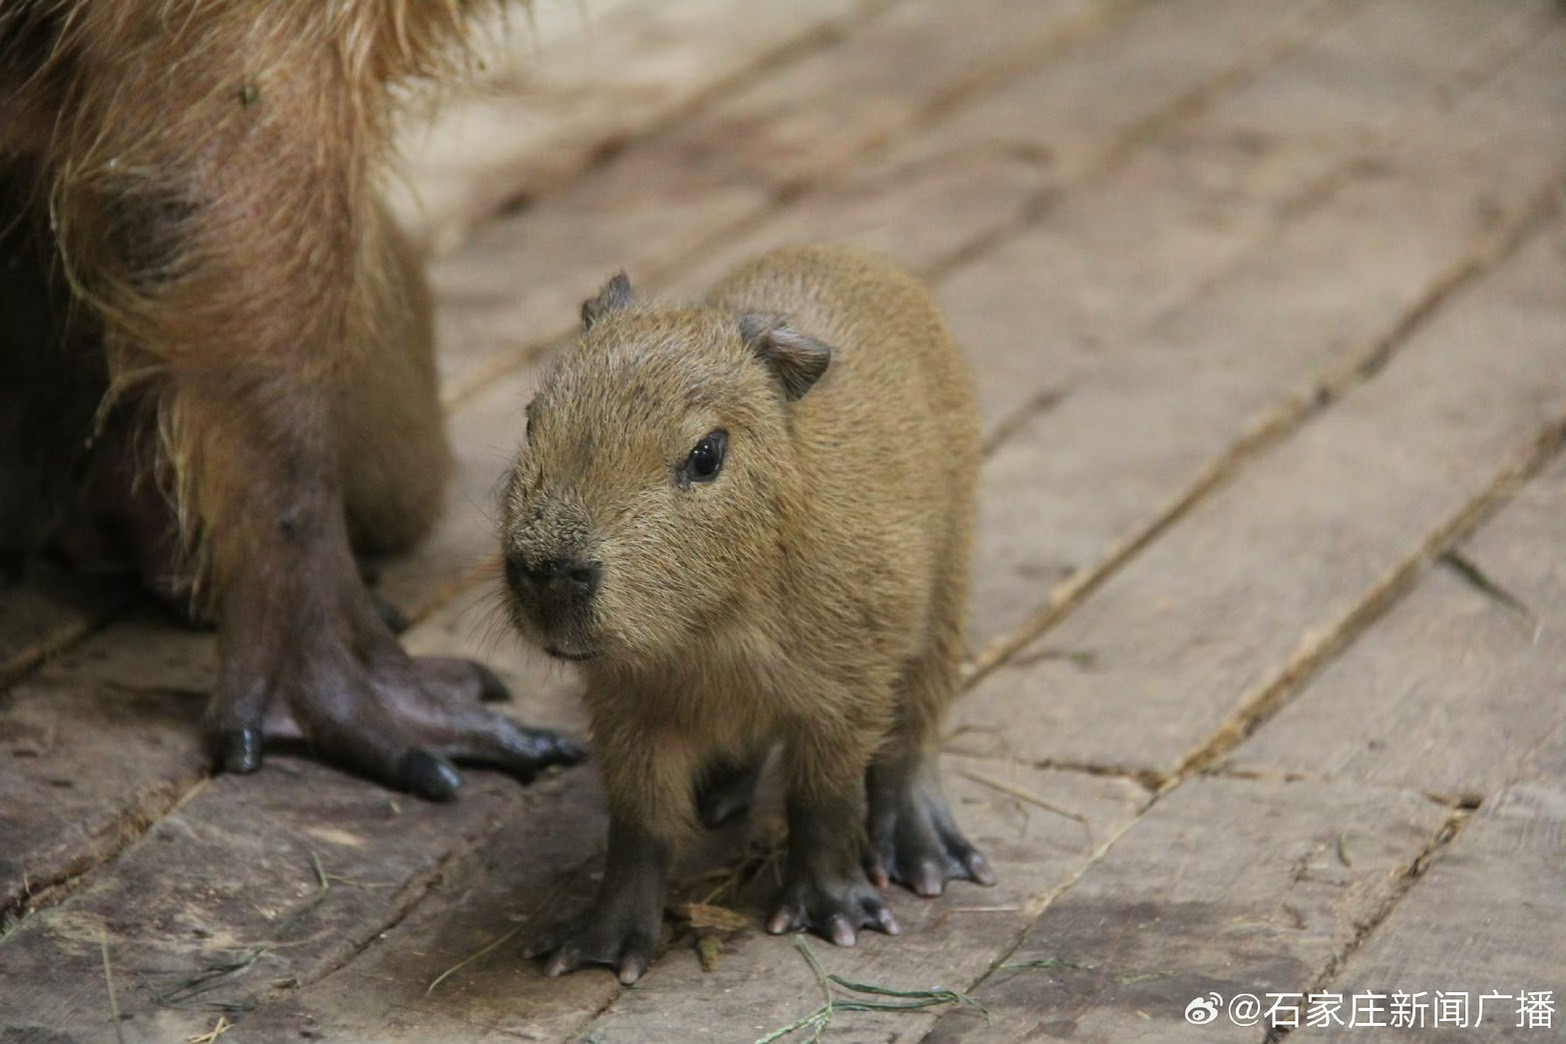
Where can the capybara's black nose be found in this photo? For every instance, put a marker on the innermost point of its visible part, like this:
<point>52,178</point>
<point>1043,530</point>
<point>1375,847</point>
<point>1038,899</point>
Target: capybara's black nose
<point>561,581</point>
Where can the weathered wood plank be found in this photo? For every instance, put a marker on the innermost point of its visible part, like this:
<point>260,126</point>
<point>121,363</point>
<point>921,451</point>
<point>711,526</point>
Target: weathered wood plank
<point>146,648</point>
<point>567,81</point>
<point>1519,553</point>
<point>46,610</point>
<point>1059,110</point>
<point>1263,573</point>
<point>1456,691</point>
<point>1405,224</point>
<point>937,194</point>
<point>1484,919</point>
<point>665,197</point>
<point>1224,886</point>
<point>761,982</point>
<point>493,907</point>
<point>251,886</point>
<point>82,773</point>
<point>1359,73</point>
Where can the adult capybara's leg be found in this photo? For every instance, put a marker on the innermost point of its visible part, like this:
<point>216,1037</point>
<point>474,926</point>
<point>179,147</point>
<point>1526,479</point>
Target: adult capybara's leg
<point>390,425</point>
<point>212,186</point>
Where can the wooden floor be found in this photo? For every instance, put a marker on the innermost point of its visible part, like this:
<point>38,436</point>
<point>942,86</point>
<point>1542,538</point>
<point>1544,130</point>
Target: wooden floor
<point>1267,303</point>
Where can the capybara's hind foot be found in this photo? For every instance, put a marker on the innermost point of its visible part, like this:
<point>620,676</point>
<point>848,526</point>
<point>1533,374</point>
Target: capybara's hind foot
<point>725,789</point>
<point>916,840</point>
<point>357,698</point>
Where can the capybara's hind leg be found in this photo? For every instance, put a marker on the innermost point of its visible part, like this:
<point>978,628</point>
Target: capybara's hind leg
<point>213,189</point>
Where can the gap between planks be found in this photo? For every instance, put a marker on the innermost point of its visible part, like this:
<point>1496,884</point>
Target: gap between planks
<point>1363,930</point>
<point>1318,650</point>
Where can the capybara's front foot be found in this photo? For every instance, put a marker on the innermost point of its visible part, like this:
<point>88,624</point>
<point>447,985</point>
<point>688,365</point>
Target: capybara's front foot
<point>834,906</point>
<point>916,840</point>
<point>825,888</point>
<point>346,688</point>
<point>624,939</point>
<point>621,929</point>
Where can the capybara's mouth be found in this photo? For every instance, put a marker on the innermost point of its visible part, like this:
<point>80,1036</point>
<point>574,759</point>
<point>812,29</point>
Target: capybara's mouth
<point>574,655</point>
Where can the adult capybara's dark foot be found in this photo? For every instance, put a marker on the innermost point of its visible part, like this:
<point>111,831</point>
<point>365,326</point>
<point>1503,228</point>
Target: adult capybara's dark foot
<point>352,694</point>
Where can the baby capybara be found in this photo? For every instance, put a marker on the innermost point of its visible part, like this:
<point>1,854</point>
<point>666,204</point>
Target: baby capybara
<point>749,522</point>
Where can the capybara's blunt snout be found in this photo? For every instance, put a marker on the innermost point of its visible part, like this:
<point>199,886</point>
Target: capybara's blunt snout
<point>559,592</point>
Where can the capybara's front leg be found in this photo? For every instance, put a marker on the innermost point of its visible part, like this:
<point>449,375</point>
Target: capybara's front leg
<point>825,885</point>
<point>648,774</point>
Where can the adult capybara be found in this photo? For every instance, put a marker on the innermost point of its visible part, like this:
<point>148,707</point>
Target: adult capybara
<point>749,522</point>
<point>215,350</point>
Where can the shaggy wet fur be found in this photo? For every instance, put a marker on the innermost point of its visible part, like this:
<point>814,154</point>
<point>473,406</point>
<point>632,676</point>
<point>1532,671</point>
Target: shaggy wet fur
<point>195,182</point>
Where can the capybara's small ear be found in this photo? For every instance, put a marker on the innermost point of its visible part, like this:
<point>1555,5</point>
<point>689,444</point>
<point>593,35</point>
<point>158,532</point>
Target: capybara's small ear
<point>797,359</point>
<point>615,295</point>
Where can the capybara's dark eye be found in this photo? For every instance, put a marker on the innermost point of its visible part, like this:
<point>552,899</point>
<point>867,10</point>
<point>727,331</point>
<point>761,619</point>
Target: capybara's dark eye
<point>529,431</point>
<point>707,458</point>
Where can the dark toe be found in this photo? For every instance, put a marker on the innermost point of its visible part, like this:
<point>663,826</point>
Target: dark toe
<point>491,688</point>
<point>389,614</point>
<point>427,775</point>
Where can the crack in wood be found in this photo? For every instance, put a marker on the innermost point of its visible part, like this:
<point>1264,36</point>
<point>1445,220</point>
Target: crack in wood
<point>1317,650</point>
<point>1363,930</point>
<point>127,829</point>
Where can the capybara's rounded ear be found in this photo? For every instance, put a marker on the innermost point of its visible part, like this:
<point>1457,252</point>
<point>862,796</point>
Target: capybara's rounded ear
<point>797,360</point>
<point>616,294</point>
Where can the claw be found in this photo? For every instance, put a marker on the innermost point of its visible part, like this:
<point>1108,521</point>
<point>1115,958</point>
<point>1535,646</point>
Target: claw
<point>840,931</point>
<point>389,614</point>
<point>428,776</point>
<point>632,967</point>
<point>916,840</point>
<point>927,880</point>
<point>626,950</point>
<point>561,961</point>
<point>491,688</point>
<point>239,750</point>
<point>979,868</point>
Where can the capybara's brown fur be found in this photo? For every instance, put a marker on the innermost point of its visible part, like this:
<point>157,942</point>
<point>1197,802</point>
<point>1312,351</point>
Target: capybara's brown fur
<point>750,522</point>
<point>201,274</point>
